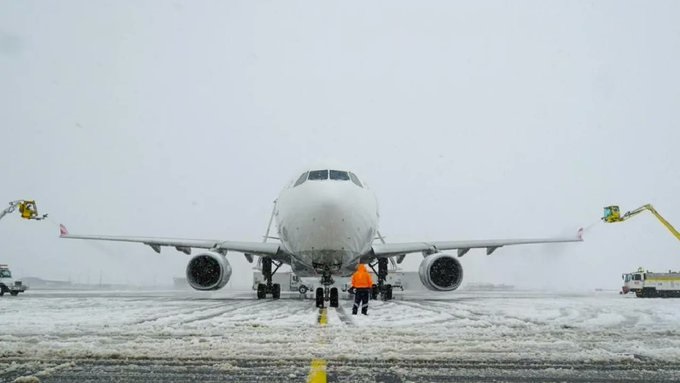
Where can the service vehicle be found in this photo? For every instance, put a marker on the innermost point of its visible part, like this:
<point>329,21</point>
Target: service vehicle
<point>9,285</point>
<point>287,280</point>
<point>648,284</point>
<point>612,214</point>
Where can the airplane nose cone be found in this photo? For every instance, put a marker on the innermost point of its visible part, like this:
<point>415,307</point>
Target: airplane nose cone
<point>330,217</point>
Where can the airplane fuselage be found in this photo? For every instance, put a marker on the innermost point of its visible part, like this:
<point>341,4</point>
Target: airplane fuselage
<point>326,223</point>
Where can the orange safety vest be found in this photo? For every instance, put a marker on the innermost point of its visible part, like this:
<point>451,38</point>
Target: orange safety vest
<point>361,279</point>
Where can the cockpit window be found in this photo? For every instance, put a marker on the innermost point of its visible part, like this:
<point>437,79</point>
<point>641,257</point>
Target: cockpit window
<point>318,175</point>
<point>302,179</point>
<point>339,175</point>
<point>355,179</point>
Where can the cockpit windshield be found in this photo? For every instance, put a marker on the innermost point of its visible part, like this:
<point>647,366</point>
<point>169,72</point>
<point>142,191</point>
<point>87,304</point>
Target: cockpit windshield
<point>301,180</point>
<point>339,175</point>
<point>318,175</point>
<point>355,179</point>
<point>322,175</point>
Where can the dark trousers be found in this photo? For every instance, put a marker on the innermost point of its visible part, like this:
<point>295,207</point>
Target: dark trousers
<point>361,298</point>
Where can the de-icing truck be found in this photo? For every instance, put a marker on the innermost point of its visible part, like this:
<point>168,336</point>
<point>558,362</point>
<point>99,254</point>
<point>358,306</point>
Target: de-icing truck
<point>648,284</point>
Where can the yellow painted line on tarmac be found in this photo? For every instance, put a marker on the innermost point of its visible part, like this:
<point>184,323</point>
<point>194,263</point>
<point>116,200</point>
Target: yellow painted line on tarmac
<point>317,373</point>
<point>317,370</point>
<point>323,316</point>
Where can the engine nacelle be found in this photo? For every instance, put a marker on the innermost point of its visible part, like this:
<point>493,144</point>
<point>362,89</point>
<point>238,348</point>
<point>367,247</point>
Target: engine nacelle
<point>208,271</point>
<point>441,272</point>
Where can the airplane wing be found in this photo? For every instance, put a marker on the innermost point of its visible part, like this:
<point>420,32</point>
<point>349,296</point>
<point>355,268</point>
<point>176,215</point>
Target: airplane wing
<point>400,249</point>
<point>185,245</point>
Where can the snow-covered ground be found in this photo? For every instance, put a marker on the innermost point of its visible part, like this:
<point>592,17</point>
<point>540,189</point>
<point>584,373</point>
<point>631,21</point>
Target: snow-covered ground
<point>464,326</point>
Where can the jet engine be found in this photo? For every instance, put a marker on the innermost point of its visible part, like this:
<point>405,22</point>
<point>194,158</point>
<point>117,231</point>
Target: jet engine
<point>441,272</point>
<point>208,271</point>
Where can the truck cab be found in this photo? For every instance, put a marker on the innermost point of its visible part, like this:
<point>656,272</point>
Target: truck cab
<point>633,282</point>
<point>9,285</point>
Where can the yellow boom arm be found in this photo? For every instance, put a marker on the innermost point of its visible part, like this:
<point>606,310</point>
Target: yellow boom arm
<point>27,209</point>
<point>611,214</point>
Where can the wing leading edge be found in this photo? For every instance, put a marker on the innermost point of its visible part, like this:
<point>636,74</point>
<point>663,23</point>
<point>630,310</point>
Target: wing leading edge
<point>185,245</point>
<point>398,249</point>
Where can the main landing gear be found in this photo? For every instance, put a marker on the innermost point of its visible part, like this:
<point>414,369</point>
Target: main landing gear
<point>269,288</point>
<point>382,288</point>
<point>327,293</point>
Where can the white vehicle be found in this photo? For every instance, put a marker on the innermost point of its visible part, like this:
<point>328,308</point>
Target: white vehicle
<point>327,220</point>
<point>9,285</point>
<point>647,284</point>
<point>288,281</point>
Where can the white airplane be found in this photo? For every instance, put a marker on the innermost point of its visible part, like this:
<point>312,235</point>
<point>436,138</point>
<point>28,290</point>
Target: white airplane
<point>327,223</point>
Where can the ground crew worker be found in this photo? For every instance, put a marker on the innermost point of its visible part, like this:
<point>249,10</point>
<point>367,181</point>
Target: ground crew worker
<point>362,283</point>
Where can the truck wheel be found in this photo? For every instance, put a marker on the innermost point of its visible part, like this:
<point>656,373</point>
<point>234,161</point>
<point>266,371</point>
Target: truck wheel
<point>14,293</point>
<point>2,291</point>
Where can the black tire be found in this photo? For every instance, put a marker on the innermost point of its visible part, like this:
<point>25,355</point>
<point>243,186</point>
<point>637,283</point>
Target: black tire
<point>649,292</point>
<point>334,297</point>
<point>374,292</point>
<point>261,291</point>
<point>303,289</point>
<point>14,293</point>
<point>276,291</point>
<point>388,292</point>
<point>319,297</point>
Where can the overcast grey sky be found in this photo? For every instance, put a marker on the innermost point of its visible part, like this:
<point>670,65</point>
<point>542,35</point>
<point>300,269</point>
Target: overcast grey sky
<point>470,120</point>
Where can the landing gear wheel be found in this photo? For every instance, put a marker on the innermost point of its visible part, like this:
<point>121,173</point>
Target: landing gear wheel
<point>261,291</point>
<point>319,297</point>
<point>276,291</point>
<point>14,293</point>
<point>387,295</point>
<point>334,297</point>
<point>303,289</point>
<point>374,292</point>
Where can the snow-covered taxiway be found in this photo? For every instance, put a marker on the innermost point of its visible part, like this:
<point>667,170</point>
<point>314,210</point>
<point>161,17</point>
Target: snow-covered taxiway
<point>229,336</point>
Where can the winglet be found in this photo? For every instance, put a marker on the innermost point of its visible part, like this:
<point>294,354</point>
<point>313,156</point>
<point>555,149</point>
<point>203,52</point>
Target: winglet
<point>580,234</point>
<point>62,230</point>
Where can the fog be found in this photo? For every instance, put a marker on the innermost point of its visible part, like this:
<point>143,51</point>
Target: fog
<point>469,120</point>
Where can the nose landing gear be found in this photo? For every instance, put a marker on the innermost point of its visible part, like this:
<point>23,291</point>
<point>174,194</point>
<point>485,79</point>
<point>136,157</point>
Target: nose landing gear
<point>327,293</point>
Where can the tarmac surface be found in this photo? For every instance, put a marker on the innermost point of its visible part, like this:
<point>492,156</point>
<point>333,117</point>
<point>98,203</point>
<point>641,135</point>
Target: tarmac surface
<point>466,336</point>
